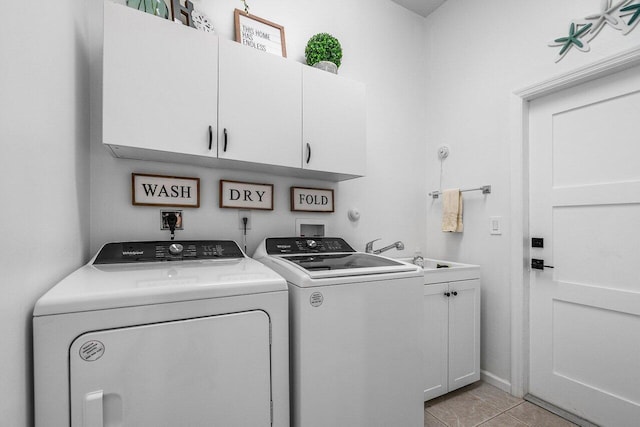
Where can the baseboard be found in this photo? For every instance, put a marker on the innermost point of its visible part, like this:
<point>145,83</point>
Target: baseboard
<point>495,381</point>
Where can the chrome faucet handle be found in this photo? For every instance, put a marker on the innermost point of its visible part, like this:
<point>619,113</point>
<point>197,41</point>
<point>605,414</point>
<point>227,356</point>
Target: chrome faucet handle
<point>369,246</point>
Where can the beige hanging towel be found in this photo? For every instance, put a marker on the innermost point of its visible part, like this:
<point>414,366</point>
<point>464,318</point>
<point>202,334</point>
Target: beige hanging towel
<point>452,210</point>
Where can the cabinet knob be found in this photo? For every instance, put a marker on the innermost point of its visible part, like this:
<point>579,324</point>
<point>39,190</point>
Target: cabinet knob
<point>308,152</point>
<point>210,137</point>
<point>447,294</point>
<point>454,293</point>
<point>226,138</point>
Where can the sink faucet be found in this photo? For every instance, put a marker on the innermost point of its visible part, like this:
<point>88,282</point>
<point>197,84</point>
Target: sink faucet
<point>369,247</point>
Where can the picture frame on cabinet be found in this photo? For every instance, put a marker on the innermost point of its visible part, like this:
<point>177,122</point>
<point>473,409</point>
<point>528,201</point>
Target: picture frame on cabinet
<point>246,195</point>
<point>259,33</point>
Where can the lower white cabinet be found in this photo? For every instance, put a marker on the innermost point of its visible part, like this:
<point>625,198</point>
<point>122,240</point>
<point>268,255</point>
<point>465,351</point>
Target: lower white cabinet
<point>452,336</point>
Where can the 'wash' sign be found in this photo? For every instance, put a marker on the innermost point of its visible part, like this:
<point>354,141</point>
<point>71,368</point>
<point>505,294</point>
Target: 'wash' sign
<point>159,190</point>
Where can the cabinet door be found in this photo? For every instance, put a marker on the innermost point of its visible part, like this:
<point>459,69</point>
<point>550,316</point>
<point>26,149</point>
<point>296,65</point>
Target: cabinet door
<point>260,107</point>
<point>464,333</point>
<point>436,340</point>
<point>334,123</point>
<point>160,84</point>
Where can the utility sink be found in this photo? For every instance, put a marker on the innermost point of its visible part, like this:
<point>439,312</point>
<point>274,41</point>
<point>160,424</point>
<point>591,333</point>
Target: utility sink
<point>438,271</point>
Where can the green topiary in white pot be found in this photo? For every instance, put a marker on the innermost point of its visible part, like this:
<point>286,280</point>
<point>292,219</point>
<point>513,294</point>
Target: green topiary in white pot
<point>324,51</point>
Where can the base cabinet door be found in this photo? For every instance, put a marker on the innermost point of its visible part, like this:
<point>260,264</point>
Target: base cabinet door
<point>160,85</point>
<point>464,333</point>
<point>452,336</point>
<point>436,344</point>
<point>333,123</point>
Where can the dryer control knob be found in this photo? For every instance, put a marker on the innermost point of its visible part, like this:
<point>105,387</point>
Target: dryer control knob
<point>176,248</point>
<point>312,243</point>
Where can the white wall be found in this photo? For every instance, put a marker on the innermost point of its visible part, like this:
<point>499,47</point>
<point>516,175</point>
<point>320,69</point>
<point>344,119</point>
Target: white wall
<point>45,172</point>
<point>383,47</point>
<point>478,54</point>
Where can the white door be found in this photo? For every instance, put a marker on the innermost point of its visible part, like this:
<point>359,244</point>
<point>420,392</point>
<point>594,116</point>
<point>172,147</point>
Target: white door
<point>260,106</point>
<point>212,371</point>
<point>160,84</point>
<point>464,333</point>
<point>585,203</point>
<point>334,123</point>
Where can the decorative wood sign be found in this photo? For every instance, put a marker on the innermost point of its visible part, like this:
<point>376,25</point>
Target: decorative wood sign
<point>259,33</point>
<point>159,190</point>
<point>312,199</point>
<point>182,13</point>
<point>246,195</point>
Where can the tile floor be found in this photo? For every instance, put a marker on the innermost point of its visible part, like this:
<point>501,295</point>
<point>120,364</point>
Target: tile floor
<point>481,404</point>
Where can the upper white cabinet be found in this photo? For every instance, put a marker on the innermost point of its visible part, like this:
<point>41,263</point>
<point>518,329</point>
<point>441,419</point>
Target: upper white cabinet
<point>334,123</point>
<point>160,86</point>
<point>172,93</point>
<point>260,116</point>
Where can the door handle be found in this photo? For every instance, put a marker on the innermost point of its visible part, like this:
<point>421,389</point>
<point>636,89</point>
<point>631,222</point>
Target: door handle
<point>538,264</point>
<point>226,138</point>
<point>93,413</point>
<point>210,137</point>
<point>308,152</point>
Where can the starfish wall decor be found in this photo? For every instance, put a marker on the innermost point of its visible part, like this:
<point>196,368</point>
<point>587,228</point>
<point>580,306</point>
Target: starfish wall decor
<point>621,15</point>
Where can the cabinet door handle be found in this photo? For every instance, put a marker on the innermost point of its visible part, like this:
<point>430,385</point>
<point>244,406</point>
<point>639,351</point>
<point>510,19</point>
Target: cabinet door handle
<point>210,137</point>
<point>308,152</point>
<point>226,139</point>
<point>447,294</point>
<point>455,293</point>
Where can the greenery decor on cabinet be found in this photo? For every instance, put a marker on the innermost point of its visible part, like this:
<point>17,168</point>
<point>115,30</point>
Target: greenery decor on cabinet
<point>154,7</point>
<point>324,51</point>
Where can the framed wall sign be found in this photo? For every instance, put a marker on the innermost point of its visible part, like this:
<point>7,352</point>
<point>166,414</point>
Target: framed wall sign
<point>160,190</point>
<point>312,199</point>
<point>259,33</point>
<point>246,195</point>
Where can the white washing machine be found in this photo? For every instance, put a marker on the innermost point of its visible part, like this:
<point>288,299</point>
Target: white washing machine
<point>152,334</point>
<point>355,334</point>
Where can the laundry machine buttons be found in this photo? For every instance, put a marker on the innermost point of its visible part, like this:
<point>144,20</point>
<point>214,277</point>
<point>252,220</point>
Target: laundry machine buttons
<point>176,248</point>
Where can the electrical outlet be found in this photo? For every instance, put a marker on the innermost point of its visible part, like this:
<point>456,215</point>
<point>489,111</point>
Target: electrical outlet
<point>244,214</point>
<point>164,225</point>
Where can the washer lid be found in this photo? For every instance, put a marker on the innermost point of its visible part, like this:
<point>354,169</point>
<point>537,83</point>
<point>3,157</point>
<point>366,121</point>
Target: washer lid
<point>342,261</point>
<point>106,286</point>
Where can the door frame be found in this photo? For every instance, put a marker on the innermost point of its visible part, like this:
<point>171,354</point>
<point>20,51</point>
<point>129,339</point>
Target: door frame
<point>519,242</point>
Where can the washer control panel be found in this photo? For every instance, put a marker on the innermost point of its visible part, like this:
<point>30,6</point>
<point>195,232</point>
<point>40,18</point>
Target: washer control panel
<point>129,252</point>
<point>299,245</point>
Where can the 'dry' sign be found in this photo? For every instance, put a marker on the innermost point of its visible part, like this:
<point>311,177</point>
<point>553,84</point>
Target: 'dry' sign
<point>311,199</point>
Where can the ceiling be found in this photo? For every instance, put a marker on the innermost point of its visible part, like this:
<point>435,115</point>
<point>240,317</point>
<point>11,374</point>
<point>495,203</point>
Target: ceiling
<point>421,7</point>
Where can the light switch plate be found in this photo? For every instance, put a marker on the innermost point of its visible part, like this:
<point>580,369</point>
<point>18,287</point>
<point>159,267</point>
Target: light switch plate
<point>495,225</point>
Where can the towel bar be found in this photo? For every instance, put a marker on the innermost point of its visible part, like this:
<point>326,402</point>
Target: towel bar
<point>486,189</point>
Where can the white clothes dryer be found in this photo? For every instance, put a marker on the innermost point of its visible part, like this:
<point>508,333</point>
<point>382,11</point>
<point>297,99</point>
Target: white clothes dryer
<point>356,334</point>
<point>153,334</point>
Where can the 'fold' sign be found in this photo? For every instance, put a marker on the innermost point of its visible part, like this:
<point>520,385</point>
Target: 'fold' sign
<point>312,199</point>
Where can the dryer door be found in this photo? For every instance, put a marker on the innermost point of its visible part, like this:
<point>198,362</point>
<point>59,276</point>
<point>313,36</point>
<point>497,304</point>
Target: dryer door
<point>197,372</point>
